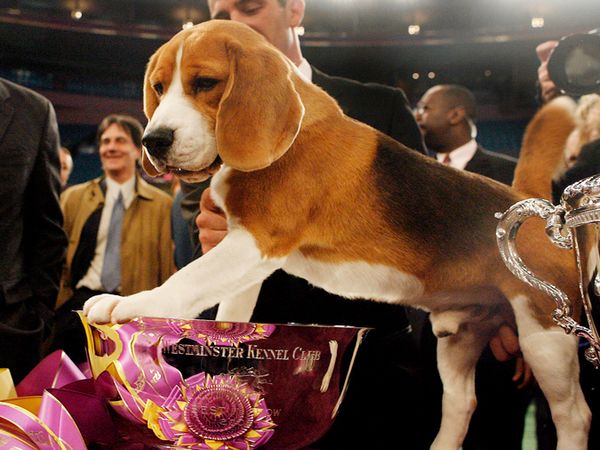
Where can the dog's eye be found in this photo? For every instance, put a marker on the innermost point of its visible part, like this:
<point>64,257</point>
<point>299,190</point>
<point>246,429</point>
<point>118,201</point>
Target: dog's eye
<point>158,88</point>
<point>203,84</point>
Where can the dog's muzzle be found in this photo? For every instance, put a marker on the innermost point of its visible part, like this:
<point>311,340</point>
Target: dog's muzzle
<point>158,142</point>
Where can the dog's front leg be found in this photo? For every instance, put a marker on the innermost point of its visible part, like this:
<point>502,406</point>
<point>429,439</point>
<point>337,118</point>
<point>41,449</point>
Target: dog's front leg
<point>240,307</point>
<point>231,268</point>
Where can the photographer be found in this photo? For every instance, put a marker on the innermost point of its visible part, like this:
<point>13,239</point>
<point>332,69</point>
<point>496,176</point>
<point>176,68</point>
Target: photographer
<point>571,67</point>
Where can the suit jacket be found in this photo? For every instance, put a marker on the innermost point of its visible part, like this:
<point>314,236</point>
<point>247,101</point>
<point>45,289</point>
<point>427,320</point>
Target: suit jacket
<point>146,250</point>
<point>383,107</point>
<point>32,241</point>
<point>587,165</point>
<point>496,166</point>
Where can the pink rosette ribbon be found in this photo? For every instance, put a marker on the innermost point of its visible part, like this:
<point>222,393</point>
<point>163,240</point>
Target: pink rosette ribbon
<point>234,333</point>
<point>212,413</point>
<point>206,332</point>
<point>29,422</point>
<point>127,360</point>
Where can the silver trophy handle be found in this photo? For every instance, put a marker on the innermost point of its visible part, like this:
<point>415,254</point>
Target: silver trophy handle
<point>506,235</point>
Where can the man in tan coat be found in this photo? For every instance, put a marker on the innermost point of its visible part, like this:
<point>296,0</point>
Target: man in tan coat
<point>119,230</point>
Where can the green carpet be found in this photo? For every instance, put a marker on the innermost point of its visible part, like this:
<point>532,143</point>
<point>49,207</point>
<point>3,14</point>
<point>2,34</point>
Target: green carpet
<point>529,439</point>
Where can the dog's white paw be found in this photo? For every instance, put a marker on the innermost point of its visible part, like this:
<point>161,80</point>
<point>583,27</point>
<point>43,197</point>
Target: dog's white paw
<point>99,309</point>
<point>141,304</point>
<point>108,308</point>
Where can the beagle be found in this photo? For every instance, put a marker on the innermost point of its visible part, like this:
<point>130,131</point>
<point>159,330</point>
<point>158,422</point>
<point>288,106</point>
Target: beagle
<point>324,197</point>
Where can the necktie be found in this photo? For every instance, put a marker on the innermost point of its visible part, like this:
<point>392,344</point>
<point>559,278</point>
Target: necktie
<point>446,159</point>
<point>111,268</point>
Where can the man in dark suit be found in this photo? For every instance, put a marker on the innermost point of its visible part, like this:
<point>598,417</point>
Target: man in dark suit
<point>446,115</point>
<point>32,241</point>
<point>383,107</point>
<point>384,372</point>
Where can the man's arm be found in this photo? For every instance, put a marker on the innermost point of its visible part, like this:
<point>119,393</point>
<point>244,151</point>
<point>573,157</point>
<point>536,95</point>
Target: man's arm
<point>191,193</point>
<point>505,346</point>
<point>211,223</point>
<point>45,241</point>
<point>404,127</point>
<point>547,88</point>
<point>166,246</point>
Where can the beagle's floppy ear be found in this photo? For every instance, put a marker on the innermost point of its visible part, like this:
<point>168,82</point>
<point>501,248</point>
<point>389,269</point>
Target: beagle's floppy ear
<point>260,112</point>
<point>150,105</point>
<point>150,98</point>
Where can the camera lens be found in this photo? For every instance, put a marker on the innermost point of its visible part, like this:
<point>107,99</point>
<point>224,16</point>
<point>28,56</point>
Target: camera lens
<point>575,64</point>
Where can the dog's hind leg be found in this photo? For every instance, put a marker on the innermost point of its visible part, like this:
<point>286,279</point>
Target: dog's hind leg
<point>552,355</point>
<point>457,356</point>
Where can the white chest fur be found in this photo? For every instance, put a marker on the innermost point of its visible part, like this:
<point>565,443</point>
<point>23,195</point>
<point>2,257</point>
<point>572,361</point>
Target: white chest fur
<point>356,279</point>
<point>350,280</point>
<point>218,185</point>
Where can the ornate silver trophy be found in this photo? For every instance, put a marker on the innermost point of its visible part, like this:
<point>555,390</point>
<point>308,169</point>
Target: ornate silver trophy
<point>574,224</point>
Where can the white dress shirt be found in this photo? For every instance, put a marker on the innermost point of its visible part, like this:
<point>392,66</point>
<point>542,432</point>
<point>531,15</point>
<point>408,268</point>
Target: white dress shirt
<point>305,69</point>
<point>91,279</point>
<point>460,156</point>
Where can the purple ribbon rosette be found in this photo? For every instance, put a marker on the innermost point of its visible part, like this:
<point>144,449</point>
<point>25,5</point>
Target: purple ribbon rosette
<point>212,385</point>
<point>40,418</point>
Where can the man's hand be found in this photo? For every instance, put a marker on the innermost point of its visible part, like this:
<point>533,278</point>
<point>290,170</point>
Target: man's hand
<point>505,346</point>
<point>211,222</point>
<point>547,86</point>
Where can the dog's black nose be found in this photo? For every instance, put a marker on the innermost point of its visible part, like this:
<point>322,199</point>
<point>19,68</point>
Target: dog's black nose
<point>158,141</point>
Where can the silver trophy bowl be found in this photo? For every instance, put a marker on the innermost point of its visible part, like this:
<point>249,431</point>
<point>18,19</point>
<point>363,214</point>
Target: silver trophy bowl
<point>572,225</point>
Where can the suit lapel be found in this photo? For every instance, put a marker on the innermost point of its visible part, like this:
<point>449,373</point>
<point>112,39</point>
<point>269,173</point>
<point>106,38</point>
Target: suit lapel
<point>6,110</point>
<point>478,163</point>
<point>326,83</point>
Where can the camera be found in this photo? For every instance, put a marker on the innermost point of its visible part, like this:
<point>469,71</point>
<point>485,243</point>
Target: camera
<point>574,65</point>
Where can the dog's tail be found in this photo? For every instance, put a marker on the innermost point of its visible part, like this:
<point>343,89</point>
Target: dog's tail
<point>543,146</point>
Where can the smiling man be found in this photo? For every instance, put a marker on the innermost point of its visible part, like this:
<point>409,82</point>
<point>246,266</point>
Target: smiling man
<point>119,230</point>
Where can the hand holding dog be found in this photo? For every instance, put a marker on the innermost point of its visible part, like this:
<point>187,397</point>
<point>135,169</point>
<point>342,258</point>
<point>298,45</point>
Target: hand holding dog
<point>211,222</point>
<point>548,89</point>
<point>505,346</point>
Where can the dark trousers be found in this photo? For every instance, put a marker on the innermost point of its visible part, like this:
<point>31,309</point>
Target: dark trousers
<point>499,420</point>
<point>23,328</point>
<point>68,334</point>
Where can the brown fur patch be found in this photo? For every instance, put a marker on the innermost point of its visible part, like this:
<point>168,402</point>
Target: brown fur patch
<point>542,148</point>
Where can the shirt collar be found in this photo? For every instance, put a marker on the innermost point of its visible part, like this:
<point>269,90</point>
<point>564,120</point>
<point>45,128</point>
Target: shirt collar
<point>127,188</point>
<point>305,69</point>
<point>460,156</point>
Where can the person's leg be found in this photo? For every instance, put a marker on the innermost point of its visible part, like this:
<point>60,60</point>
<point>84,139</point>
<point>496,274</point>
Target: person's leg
<point>69,335</point>
<point>499,419</point>
<point>21,336</point>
